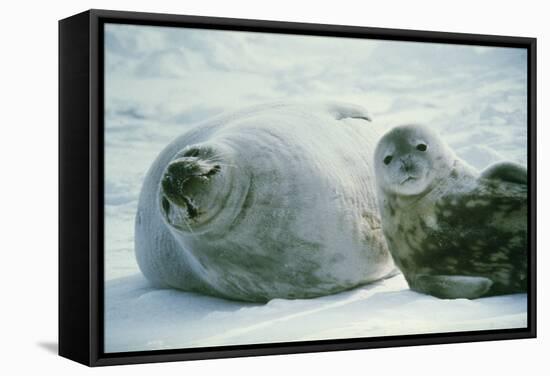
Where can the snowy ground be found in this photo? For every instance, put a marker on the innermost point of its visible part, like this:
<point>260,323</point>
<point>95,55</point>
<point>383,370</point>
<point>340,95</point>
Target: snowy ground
<point>139,317</point>
<point>159,81</point>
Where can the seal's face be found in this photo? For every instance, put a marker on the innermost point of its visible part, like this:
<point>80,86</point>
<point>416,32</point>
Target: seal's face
<point>192,187</point>
<point>410,159</point>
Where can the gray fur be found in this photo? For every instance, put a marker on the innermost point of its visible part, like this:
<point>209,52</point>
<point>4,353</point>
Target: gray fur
<point>274,201</point>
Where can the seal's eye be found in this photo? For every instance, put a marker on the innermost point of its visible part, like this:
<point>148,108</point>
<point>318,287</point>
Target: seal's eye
<point>388,159</point>
<point>421,147</point>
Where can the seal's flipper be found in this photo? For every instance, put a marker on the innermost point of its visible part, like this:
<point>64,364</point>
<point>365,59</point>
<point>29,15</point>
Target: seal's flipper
<point>452,286</point>
<point>348,111</point>
<point>506,171</point>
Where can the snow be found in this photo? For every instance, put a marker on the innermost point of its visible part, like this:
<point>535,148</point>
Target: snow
<point>159,81</point>
<point>139,317</point>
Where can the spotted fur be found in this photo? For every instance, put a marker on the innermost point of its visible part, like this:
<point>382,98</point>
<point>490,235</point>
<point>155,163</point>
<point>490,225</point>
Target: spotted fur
<point>465,234</point>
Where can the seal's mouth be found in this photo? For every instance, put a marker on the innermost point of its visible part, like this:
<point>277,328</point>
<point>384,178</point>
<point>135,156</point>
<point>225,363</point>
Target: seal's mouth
<point>171,210</point>
<point>174,214</point>
<point>407,179</point>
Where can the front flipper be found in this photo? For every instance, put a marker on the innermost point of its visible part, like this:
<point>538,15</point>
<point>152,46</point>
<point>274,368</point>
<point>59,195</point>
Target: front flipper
<point>507,172</point>
<point>452,286</point>
<point>348,111</point>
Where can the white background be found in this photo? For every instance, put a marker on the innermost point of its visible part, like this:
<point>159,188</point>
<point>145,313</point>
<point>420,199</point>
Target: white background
<point>28,195</point>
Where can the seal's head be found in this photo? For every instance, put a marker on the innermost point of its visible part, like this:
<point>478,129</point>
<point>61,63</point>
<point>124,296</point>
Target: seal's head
<point>411,159</point>
<point>195,187</point>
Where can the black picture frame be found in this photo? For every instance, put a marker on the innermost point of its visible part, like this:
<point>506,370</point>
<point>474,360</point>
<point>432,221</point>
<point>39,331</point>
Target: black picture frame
<point>81,186</point>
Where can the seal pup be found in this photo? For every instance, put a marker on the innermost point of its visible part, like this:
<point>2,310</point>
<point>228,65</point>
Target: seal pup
<point>273,201</point>
<point>454,232</point>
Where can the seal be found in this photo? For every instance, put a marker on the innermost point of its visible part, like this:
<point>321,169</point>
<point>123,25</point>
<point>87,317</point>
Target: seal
<point>273,201</point>
<point>453,231</point>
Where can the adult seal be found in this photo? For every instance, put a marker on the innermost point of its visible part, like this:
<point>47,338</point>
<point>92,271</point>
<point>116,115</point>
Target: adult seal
<point>274,201</point>
<point>454,232</point>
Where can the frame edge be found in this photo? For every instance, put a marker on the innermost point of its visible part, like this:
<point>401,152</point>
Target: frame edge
<point>74,247</point>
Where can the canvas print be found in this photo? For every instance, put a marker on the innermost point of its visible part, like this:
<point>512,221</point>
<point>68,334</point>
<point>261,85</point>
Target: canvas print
<point>267,188</point>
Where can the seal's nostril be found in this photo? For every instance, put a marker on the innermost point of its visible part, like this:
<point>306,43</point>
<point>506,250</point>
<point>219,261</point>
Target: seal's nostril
<point>213,171</point>
<point>183,167</point>
<point>405,165</point>
<point>193,152</point>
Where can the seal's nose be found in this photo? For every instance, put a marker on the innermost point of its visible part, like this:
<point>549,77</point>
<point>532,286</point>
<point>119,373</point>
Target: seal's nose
<point>407,165</point>
<point>185,177</point>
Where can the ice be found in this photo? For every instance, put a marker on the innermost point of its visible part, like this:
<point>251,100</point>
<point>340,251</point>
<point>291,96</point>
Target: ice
<point>159,81</point>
